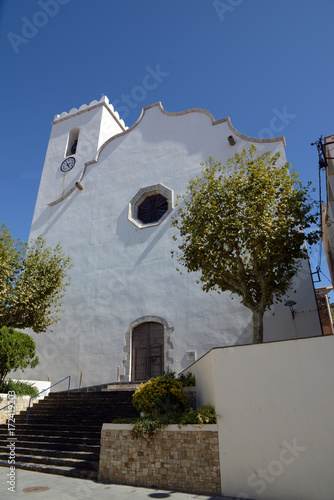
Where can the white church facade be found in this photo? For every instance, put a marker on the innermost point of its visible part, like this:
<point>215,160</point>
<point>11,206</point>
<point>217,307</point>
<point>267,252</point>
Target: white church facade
<point>107,194</point>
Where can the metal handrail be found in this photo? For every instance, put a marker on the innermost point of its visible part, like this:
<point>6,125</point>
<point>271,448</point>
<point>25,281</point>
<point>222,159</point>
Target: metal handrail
<point>6,406</point>
<point>68,392</point>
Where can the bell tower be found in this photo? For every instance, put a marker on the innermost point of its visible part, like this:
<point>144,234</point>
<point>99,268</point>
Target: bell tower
<point>75,139</point>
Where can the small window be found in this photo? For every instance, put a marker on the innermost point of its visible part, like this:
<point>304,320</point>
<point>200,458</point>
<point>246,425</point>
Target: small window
<point>73,141</point>
<point>152,208</point>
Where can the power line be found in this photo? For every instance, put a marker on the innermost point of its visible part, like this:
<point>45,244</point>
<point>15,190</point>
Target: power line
<point>326,277</point>
<point>322,165</point>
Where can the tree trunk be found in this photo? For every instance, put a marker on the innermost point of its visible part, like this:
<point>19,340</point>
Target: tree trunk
<point>257,326</point>
<point>2,377</point>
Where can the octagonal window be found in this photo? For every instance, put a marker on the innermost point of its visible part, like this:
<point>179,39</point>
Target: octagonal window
<point>152,208</point>
<point>150,205</point>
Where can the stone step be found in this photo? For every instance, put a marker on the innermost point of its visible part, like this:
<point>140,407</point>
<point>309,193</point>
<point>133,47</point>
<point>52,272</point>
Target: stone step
<point>118,386</point>
<point>108,417</point>
<point>71,420</point>
<point>84,396</point>
<point>81,404</point>
<point>90,411</point>
<point>64,431</point>
<point>50,426</point>
<point>87,396</point>
<point>123,386</point>
<point>75,408</point>
<point>53,461</point>
<point>34,451</point>
<point>55,424</point>
<point>53,403</point>
<point>105,417</point>
<point>65,436</point>
<point>90,389</point>
<point>55,429</point>
<point>89,402</point>
<point>55,445</point>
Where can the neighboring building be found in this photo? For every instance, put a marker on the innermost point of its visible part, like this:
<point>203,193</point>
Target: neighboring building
<point>324,308</point>
<point>328,208</point>
<point>107,193</point>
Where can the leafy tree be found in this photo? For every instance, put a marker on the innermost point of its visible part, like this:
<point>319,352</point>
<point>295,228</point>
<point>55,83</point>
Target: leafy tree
<point>33,278</point>
<point>242,227</point>
<point>17,351</point>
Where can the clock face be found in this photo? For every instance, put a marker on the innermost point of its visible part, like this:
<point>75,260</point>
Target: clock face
<point>67,164</point>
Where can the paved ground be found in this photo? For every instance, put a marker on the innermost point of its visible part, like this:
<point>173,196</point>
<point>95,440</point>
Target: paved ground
<point>36,485</point>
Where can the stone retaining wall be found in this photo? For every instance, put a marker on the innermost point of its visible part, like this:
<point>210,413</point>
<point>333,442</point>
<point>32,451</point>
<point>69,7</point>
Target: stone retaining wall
<point>21,404</point>
<point>183,459</point>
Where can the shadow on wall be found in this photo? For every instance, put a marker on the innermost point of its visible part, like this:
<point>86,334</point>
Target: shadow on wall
<point>51,215</point>
<point>228,339</point>
<point>130,235</point>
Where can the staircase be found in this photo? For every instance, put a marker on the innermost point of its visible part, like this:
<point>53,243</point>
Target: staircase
<point>63,432</point>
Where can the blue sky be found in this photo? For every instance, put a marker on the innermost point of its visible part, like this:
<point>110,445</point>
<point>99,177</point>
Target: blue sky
<point>267,64</point>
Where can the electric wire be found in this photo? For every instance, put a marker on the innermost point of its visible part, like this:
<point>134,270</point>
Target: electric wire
<point>326,277</point>
<point>322,165</point>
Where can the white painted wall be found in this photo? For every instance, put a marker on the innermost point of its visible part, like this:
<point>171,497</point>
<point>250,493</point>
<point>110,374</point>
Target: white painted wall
<point>43,386</point>
<point>276,428</point>
<point>122,273</point>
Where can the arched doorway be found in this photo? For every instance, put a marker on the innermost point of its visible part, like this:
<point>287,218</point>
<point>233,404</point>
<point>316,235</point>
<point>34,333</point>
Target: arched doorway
<point>147,351</point>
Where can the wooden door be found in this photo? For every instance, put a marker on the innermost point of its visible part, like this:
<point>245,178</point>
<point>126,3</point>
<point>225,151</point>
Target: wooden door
<point>147,351</point>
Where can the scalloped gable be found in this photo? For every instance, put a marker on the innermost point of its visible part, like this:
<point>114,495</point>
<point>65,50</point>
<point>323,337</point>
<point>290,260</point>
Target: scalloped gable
<point>214,122</point>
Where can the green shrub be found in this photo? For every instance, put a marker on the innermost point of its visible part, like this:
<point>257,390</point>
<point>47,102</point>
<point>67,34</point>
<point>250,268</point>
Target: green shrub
<point>20,388</point>
<point>187,379</point>
<point>169,374</point>
<point>163,402</point>
<point>125,420</point>
<point>148,426</point>
<point>205,414</point>
<point>160,395</point>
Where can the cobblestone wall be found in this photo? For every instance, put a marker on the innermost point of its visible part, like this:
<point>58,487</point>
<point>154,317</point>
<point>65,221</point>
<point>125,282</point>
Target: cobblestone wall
<point>21,404</point>
<point>185,459</point>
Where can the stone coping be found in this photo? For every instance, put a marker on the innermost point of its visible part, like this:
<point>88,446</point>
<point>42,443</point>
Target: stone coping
<point>172,427</point>
<point>4,395</point>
